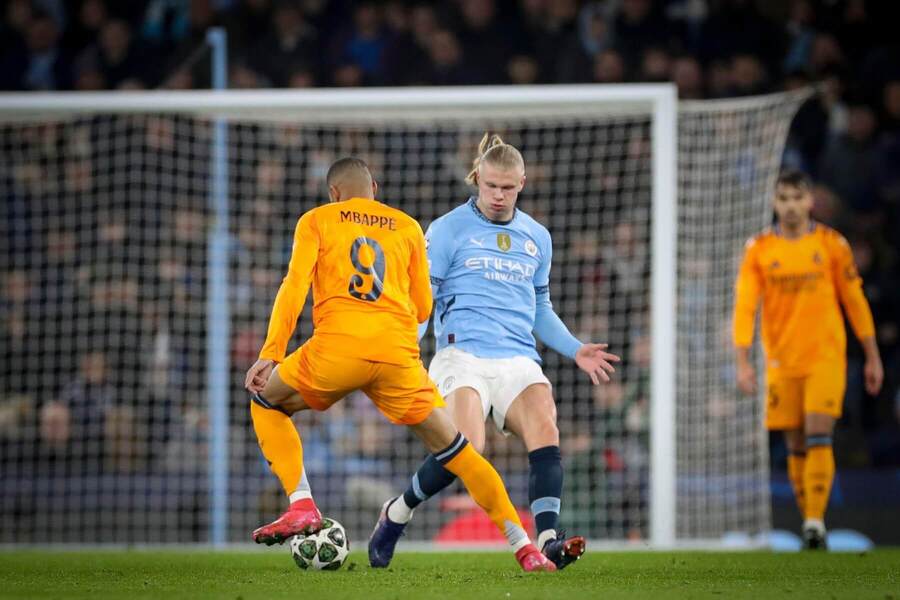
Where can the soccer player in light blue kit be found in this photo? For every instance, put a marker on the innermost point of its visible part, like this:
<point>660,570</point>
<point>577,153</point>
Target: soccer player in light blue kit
<point>490,274</point>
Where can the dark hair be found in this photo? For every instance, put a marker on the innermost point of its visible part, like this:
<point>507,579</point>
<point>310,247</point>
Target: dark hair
<point>345,165</point>
<point>795,178</point>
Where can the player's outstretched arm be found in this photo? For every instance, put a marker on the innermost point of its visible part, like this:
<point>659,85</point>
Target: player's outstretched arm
<point>594,360</point>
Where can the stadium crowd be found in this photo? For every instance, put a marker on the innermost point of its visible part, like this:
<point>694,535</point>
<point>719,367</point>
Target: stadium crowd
<point>847,138</point>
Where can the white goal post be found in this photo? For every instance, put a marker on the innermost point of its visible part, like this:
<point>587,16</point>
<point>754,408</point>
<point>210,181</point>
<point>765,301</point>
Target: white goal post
<point>666,157</point>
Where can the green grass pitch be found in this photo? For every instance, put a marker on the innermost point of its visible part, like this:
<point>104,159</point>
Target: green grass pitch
<point>271,574</point>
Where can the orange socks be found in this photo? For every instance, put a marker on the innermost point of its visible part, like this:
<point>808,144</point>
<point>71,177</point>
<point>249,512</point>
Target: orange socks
<point>485,487</point>
<point>796,464</point>
<point>818,475</point>
<point>280,444</point>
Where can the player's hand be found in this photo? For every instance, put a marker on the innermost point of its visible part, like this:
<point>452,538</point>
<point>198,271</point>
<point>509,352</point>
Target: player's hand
<point>746,378</point>
<point>594,360</point>
<point>873,373</point>
<point>258,375</point>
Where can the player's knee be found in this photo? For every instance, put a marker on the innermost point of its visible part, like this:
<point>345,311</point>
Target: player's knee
<point>477,443</point>
<point>818,425</point>
<point>262,401</point>
<point>542,430</point>
<point>475,435</point>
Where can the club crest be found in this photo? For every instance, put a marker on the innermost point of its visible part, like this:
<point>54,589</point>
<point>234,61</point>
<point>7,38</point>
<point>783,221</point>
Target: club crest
<point>531,248</point>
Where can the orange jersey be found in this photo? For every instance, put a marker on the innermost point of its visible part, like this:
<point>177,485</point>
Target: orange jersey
<point>801,283</point>
<point>369,273</point>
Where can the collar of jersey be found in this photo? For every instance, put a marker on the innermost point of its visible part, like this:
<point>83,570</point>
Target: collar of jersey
<point>481,216</point>
<point>809,229</point>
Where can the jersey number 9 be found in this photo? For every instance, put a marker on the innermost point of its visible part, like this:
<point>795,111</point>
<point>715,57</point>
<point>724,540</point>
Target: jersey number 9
<point>375,269</point>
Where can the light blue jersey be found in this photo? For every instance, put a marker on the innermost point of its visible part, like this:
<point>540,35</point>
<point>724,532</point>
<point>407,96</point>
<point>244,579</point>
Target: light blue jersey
<point>491,283</point>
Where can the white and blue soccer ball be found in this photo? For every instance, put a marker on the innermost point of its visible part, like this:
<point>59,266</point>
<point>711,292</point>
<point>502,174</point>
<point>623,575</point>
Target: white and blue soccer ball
<point>325,550</point>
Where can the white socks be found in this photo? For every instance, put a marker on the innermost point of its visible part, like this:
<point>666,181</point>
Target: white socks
<point>816,524</point>
<point>399,512</point>
<point>547,534</point>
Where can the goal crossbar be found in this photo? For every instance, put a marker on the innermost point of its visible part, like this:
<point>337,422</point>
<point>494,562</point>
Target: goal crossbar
<point>373,105</point>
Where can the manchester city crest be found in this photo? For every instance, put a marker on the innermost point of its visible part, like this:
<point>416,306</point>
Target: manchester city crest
<point>531,248</point>
<point>503,242</point>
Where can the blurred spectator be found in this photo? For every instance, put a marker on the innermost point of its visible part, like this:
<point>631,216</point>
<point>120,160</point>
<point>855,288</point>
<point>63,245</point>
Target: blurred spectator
<point>347,75</point>
<point>594,29</point>
<point>718,79</point>
<point>117,54</point>
<point>890,107</point>
<point>363,47</point>
<point>609,67</point>
<point>447,67</point>
<point>14,27</point>
<point>242,76</point>
<point>656,65</point>
<point>849,160</point>
<point>688,76</point>
<point>858,27</point>
<point>738,27</point>
<point>407,57</point>
<point>748,76</point>
<point>801,33</point>
<point>301,76</point>
<point>290,40</point>
<point>484,41</point>
<point>85,27</point>
<point>19,318</point>
<point>166,22</point>
<point>247,23</point>
<point>522,70</point>
<point>40,64</point>
<point>552,38</point>
<point>825,55</point>
<point>73,426</point>
<point>639,25</point>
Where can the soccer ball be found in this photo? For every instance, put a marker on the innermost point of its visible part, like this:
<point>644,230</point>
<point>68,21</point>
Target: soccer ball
<point>325,550</point>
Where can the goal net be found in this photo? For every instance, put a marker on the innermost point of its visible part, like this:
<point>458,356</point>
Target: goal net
<point>129,219</point>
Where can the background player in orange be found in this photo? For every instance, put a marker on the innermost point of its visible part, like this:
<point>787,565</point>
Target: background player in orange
<point>803,271</point>
<point>367,264</point>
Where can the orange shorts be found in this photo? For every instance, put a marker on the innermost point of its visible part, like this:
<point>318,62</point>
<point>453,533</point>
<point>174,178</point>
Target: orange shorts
<point>789,399</point>
<point>403,393</point>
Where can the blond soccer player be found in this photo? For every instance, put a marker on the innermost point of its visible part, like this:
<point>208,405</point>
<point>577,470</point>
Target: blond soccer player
<point>368,268</point>
<point>490,275</point>
<point>803,272</point>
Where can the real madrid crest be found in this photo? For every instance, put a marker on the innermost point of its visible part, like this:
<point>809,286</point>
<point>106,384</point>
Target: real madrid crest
<point>531,248</point>
<point>503,242</point>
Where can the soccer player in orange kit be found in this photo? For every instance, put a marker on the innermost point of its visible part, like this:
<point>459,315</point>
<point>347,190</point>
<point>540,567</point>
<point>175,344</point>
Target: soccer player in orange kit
<point>803,271</point>
<point>369,271</point>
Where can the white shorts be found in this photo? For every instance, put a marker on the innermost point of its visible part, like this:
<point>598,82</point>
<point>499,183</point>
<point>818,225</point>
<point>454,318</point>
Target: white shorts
<point>498,381</point>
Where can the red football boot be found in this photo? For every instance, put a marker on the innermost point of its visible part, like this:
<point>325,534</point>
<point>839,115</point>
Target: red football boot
<point>301,518</point>
<point>531,559</point>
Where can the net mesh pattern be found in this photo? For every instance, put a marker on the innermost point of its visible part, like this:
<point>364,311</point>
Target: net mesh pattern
<point>104,429</point>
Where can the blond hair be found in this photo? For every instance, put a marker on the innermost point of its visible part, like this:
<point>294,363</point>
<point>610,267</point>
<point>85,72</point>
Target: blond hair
<point>493,150</point>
